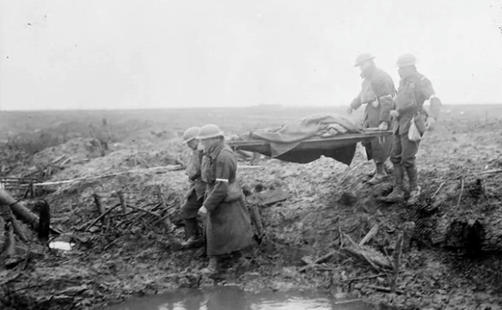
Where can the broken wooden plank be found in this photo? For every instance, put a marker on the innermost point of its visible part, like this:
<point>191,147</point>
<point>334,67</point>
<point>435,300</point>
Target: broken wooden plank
<point>120,194</point>
<point>19,210</point>
<point>384,289</point>
<point>368,254</point>
<point>320,260</point>
<point>87,226</point>
<point>372,233</point>
<point>162,199</point>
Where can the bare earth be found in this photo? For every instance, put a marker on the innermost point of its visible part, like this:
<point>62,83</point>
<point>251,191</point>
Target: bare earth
<point>134,254</point>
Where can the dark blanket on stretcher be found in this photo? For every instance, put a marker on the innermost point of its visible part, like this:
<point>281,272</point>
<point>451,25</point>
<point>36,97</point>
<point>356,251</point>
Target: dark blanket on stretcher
<point>285,139</point>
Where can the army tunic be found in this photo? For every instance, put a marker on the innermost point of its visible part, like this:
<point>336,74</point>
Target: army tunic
<point>195,194</point>
<point>228,225</point>
<point>409,103</point>
<point>377,92</point>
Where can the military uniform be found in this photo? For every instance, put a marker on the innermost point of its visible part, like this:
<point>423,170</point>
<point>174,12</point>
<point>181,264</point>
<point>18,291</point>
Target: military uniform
<point>413,91</point>
<point>195,194</point>
<point>409,103</point>
<point>228,225</point>
<point>377,93</point>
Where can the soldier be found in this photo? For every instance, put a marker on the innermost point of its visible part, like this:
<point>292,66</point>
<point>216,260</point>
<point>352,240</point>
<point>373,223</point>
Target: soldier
<point>414,90</point>
<point>228,225</point>
<point>195,195</point>
<point>377,92</point>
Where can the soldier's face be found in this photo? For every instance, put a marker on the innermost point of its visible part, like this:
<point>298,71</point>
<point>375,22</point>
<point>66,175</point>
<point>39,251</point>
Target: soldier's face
<point>365,66</point>
<point>405,71</point>
<point>193,144</point>
<point>209,143</point>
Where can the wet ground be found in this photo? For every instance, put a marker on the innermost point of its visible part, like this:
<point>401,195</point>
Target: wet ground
<point>233,298</point>
<point>133,254</point>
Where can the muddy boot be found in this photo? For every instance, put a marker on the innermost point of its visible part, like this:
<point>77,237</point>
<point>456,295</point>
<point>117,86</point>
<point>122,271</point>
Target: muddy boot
<point>192,230</point>
<point>415,190</point>
<point>397,194</point>
<point>379,175</point>
<point>213,266</point>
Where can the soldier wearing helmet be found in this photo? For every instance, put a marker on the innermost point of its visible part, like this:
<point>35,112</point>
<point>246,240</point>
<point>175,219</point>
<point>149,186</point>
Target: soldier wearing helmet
<point>414,90</point>
<point>195,194</point>
<point>376,93</point>
<point>228,225</point>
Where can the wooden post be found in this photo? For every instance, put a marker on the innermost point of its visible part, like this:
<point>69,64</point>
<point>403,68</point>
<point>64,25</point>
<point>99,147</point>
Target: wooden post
<point>44,223</point>
<point>2,235</point>
<point>11,249</point>
<point>408,229</point>
<point>122,201</point>
<point>397,262</point>
<point>99,207</point>
<point>164,206</point>
<point>255,216</point>
<point>32,190</point>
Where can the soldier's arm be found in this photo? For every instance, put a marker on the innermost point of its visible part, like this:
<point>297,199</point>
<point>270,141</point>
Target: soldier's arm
<point>198,173</point>
<point>429,93</point>
<point>384,90</point>
<point>194,176</point>
<point>356,103</point>
<point>224,165</point>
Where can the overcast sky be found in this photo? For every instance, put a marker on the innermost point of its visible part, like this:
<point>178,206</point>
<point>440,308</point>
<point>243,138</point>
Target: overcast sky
<point>88,54</point>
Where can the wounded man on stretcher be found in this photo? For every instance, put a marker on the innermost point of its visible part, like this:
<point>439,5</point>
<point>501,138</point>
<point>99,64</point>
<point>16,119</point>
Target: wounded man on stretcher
<point>307,139</point>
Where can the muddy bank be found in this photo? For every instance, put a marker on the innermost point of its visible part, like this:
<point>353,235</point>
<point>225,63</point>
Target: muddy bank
<point>133,253</point>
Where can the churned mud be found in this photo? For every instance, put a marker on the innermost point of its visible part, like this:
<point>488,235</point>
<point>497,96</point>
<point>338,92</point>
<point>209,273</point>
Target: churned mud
<point>328,210</point>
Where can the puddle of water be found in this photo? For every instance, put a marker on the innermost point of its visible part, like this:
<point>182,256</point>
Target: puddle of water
<point>61,245</point>
<point>233,298</point>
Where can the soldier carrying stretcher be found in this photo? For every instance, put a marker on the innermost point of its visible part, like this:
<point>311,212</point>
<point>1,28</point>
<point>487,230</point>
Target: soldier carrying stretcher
<point>409,114</point>
<point>377,92</point>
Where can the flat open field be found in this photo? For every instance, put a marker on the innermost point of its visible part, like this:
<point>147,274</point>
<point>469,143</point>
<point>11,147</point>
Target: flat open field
<point>133,254</point>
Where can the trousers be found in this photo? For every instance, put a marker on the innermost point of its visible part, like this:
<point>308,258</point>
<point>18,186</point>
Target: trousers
<point>404,151</point>
<point>191,206</point>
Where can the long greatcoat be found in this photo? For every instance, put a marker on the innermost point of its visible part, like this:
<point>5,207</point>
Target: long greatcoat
<point>228,225</point>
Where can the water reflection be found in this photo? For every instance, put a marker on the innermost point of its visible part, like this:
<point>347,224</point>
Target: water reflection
<point>61,245</point>
<point>233,298</point>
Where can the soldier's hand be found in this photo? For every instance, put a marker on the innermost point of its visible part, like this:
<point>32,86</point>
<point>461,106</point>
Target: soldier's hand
<point>203,211</point>
<point>431,123</point>
<point>383,126</point>
<point>394,113</point>
<point>350,110</point>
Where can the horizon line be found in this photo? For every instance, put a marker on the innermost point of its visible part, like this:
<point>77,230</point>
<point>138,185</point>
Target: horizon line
<point>224,107</point>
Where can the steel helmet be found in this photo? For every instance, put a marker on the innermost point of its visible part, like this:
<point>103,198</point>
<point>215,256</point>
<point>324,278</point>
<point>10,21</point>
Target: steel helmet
<point>190,134</point>
<point>406,60</point>
<point>362,58</point>
<point>209,131</point>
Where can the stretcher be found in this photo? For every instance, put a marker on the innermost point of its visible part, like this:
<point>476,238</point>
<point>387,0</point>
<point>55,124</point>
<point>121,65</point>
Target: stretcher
<point>313,144</point>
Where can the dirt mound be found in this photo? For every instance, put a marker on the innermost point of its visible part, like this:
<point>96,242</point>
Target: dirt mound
<point>77,150</point>
<point>327,206</point>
